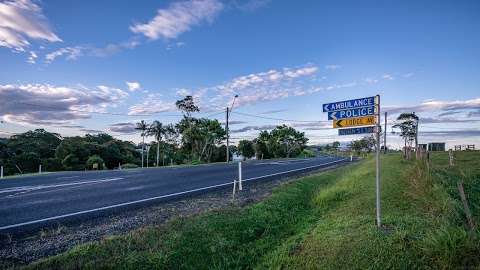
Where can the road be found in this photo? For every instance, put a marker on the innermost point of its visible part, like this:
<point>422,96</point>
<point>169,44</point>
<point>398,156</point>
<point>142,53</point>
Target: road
<point>36,200</point>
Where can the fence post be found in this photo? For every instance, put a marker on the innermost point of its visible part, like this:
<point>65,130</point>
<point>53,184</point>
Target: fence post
<point>468,214</point>
<point>450,157</point>
<point>240,176</point>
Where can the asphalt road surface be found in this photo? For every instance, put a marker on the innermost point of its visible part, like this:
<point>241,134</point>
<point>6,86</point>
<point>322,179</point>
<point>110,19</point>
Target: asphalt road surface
<point>38,200</point>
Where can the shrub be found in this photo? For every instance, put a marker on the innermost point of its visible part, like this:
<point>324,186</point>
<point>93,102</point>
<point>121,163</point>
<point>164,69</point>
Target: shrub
<point>95,159</point>
<point>52,164</point>
<point>307,153</point>
<point>71,162</point>
<point>129,166</point>
<point>196,162</point>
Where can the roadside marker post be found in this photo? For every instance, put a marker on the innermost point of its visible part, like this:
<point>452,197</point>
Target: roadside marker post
<point>240,176</point>
<point>1,171</point>
<point>364,115</point>
<point>40,169</point>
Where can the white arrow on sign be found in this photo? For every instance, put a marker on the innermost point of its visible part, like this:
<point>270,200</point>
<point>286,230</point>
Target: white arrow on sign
<point>325,107</point>
<point>333,115</point>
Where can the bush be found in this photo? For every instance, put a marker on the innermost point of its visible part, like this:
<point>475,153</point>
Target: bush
<point>52,164</point>
<point>307,153</point>
<point>95,159</point>
<point>196,162</point>
<point>71,162</point>
<point>129,166</point>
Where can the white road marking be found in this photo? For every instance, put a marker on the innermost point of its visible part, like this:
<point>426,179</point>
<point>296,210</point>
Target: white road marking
<point>32,188</point>
<point>68,177</point>
<point>156,197</point>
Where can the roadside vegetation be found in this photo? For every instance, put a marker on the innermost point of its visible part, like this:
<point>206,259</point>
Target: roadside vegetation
<point>324,221</point>
<point>189,141</point>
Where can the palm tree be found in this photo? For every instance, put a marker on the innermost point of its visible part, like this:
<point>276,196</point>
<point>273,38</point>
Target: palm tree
<point>157,130</point>
<point>142,125</point>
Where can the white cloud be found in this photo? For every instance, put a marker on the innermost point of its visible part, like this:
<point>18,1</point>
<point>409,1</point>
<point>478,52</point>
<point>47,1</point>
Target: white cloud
<point>71,53</point>
<point>438,105</point>
<point>265,86</point>
<point>370,80</point>
<point>152,104</point>
<point>133,86</point>
<point>182,92</point>
<point>20,21</point>
<point>178,18</point>
<point>43,104</point>
<point>408,75</point>
<point>332,67</point>
<point>124,128</point>
<point>32,59</point>
<point>112,48</point>
<point>262,86</point>
<point>388,77</point>
<point>175,45</point>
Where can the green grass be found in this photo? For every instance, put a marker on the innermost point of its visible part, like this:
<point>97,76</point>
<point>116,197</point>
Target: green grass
<point>325,221</point>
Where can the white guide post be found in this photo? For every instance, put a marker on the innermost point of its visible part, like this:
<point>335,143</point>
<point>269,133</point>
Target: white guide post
<point>40,168</point>
<point>240,176</point>
<point>1,171</point>
<point>234,186</point>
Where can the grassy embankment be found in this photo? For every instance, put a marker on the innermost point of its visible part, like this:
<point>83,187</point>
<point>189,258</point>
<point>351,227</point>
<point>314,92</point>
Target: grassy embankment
<point>324,221</point>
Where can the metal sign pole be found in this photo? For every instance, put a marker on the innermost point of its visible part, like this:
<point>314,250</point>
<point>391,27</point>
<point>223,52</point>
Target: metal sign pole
<point>377,163</point>
<point>228,142</point>
<point>359,112</point>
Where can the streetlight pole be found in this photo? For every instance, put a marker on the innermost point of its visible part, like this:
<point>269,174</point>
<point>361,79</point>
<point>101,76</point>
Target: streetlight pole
<point>226,127</point>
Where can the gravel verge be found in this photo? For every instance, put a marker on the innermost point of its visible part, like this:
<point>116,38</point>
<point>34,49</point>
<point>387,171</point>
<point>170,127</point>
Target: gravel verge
<point>24,249</point>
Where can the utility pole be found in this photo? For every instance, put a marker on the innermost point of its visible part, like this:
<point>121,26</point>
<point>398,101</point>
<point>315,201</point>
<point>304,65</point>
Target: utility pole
<point>385,135</point>
<point>226,127</point>
<point>228,135</point>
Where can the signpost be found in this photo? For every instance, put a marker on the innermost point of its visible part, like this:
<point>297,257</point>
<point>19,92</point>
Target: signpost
<point>349,104</point>
<point>354,131</point>
<point>354,122</point>
<point>350,113</point>
<point>364,115</point>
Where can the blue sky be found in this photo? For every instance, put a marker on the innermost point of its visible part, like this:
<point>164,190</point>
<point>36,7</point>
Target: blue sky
<point>83,66</point>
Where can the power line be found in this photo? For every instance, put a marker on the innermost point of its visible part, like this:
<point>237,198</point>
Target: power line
<point>95,112</point>
<point>280,119</point>
<point>215,114</point>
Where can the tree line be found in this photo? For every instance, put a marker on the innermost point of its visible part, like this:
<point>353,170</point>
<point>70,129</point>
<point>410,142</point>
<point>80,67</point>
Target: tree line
<point>189,141</point>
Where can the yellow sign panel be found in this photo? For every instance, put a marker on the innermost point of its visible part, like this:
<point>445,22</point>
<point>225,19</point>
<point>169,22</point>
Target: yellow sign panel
<point>354,122</point>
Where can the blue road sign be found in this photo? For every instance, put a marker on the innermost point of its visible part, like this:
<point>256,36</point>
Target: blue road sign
<point>353,131</point>
<point>349,104</point>
<point>357,112</point>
